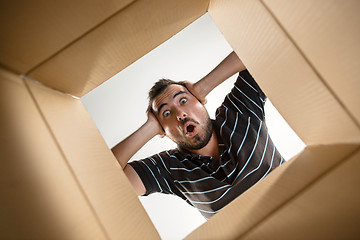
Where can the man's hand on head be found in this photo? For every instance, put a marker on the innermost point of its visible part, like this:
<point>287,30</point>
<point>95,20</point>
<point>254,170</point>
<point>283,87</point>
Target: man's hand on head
<point>195,91</point>
<point>154,123</point>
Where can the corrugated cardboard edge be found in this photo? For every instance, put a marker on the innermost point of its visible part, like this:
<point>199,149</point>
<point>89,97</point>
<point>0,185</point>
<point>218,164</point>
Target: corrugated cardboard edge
<point>99,175</point>
<point>284,73</point>
<point>328,33</point>
<point>328,209</point>
<point>116,43</point>
<point>284,185</point>
<point>37,182</point>
<point>35,31</point>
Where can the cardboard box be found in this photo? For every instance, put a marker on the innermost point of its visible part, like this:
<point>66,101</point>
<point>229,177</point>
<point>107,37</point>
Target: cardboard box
<point>303,199</point>
<point>58,178</point>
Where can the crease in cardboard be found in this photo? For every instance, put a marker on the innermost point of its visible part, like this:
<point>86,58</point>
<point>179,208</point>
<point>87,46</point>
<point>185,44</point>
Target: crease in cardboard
<point>340,162</point>
<point>78,38</point>
<point>271,213</point>
<point>7,68</point>
<point>311,65</point>
<point>42,84</point>
<point>52,134</point>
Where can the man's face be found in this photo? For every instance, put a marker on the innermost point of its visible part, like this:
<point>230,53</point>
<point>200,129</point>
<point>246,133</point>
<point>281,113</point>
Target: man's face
<point>183,118</point>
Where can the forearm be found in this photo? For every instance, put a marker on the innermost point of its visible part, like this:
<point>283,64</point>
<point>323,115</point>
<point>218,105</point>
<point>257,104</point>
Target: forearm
<point>124,150</point>
<point>228,67</point>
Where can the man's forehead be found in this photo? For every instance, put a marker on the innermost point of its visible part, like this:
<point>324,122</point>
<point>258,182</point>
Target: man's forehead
<point>167,95</point>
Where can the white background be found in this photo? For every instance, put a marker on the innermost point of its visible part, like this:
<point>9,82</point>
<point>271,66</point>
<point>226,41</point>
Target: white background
<point>118,108</point>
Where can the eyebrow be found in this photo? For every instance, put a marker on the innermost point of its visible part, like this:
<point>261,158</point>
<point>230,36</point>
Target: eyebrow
<point>176,94</point>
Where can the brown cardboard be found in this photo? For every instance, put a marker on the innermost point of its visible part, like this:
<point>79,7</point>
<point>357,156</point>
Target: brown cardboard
<point>279,189</point>
<point>59,180</point>
<point>328,34</point>
<point>329,209</point>
<point>293,86</point>
<point>33,31</point>
<point>117,43</point>
<point>99,175</point>
<point>40,196</point>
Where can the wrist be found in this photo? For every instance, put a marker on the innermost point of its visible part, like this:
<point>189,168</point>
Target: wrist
<point>153,127</point>
<point>201,90</point>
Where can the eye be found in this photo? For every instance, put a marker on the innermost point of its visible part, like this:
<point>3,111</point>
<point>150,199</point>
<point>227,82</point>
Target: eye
<point>183,100</point>
<point>166,113</point>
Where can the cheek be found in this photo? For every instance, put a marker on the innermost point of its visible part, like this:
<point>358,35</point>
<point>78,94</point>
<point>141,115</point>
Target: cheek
<point>171,131</point>
<point>197,105</point>
<point>168,127</point>
<point>200,111</point>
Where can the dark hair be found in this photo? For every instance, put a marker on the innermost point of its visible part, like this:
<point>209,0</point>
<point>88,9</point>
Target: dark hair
<point>158,88</point>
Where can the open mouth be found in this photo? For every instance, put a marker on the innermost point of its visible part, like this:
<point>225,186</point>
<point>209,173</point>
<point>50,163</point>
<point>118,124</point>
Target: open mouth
<point>190,128</point>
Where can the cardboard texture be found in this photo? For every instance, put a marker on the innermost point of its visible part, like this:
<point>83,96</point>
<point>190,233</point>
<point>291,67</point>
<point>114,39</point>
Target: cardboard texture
<point>284,73</point>
<point>98,173</point>
<point>36,30</point>
<point>116,43</point>
<point>40,196</point>
<point>60,181</point>
<point>328,40</point>
<point>280,189</point>
<point>329,209</point>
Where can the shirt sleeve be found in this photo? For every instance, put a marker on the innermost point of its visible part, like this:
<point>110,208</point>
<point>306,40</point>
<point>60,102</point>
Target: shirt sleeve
<point>246,96</point>
<point>154,175</point>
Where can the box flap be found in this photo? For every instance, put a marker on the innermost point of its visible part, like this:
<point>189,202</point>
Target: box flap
<point>282,186</point>
<point>100,176</point>
<point>33,31</point>
<point>291,83</point>
<point>329,209</point>
<point>328,34</point>
<point>117,43</point>
<point>40,197</point>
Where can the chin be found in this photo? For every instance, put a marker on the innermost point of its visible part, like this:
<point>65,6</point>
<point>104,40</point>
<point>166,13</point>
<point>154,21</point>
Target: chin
<point>198,144</point>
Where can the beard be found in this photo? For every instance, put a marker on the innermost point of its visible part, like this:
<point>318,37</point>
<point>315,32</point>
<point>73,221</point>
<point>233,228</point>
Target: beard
<point>200,141</point>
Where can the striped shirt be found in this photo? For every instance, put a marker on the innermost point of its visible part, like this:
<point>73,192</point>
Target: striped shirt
<point>247,155</point>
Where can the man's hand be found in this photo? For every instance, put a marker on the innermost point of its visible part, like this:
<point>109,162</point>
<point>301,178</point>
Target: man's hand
<point>228,67</point>
<point>125,149</point>
<point>154,123</point>
<point>194,90</point>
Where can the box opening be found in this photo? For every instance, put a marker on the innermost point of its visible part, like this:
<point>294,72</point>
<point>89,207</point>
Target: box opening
<point>118,108</point>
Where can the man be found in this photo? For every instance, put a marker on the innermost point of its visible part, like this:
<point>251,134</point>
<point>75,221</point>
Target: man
<point>216,160</point>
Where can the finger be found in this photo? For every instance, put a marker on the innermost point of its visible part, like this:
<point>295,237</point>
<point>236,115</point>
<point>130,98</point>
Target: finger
<point>190,87</point>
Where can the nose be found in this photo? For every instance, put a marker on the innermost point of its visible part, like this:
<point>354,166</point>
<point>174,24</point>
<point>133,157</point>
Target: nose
<point>181,116</point>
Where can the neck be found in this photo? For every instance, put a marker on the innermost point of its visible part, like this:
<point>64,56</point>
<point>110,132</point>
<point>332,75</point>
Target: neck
<point>211,149</point>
